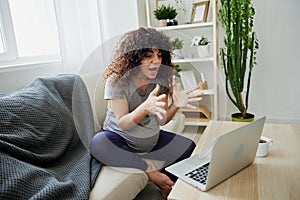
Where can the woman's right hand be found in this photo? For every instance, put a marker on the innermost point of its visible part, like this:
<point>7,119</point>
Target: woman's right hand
<point>155,104</point>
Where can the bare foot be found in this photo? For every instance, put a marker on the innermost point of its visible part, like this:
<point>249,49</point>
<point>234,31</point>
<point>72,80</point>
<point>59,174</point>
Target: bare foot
<point>165,193</point>
<point>160,179</point>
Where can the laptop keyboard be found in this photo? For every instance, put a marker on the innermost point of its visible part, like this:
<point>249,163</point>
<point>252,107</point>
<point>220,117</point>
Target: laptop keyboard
<point>199,174</point>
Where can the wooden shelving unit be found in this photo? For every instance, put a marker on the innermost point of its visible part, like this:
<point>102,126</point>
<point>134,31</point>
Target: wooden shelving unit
<point>185,26</point>
<point>208,109</point>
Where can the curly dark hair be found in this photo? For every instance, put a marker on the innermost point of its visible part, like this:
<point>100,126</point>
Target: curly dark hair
<point>132,48</point>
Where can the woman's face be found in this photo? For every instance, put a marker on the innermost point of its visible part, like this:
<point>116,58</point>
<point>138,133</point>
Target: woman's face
<point>150,64</point>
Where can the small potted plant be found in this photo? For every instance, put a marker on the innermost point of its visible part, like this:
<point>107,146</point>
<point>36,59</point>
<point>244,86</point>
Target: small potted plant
<point>177,46</point>
<point>202,44</point>
<point>166,15</point>
<point>177,69</point>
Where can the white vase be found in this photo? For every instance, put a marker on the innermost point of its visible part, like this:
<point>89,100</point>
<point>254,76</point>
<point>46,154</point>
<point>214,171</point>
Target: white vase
<point>162,22</point>
<point>177,53</point>
<point>203,50</point>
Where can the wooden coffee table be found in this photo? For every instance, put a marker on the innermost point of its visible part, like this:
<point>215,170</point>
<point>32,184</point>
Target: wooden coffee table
<point>276,176</point>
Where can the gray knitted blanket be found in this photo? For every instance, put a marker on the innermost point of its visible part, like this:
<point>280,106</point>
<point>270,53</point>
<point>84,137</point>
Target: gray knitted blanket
<point>41,154</point>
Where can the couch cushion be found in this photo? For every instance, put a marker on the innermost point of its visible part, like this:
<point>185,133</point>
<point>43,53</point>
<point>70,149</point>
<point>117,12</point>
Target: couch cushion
<point>118,183</point>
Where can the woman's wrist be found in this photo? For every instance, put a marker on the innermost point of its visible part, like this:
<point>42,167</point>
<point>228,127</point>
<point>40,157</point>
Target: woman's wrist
<point>173,105</point>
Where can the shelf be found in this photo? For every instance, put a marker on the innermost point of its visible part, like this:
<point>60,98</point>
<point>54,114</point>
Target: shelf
<point>201,109</point>
<point>184,26</point>
<point>205,92</point>
<point>196,122</point>
<point>193,60</point>
<point>196,117</point>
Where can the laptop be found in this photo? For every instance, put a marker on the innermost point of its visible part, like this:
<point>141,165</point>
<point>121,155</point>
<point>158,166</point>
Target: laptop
<point>231,153</point>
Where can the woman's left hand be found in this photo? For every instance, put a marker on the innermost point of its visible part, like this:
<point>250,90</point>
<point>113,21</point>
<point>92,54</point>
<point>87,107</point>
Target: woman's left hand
<point>183,98</point>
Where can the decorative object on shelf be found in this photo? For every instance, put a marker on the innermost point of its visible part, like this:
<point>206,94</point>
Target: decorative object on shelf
<point>177,46</point>
<point>176,77</point>
<point>203,84</point>
<point>239,54</point>
<point>156,3</point>
<point>166,15</point>
<point>196,116</point>
<point>199,12</point>
<point>172,22</point>
<point>182,12</point>
<point>188,79</point>
<point>177,69</point>
<point>203,46</point>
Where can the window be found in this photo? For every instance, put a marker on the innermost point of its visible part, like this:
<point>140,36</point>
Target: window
<point>28,31</point>
<point>1,42</point>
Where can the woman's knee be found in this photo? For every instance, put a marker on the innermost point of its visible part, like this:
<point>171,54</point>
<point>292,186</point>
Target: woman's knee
<point>187,145</point>
<point>185,141</point>
<point>99,144</point>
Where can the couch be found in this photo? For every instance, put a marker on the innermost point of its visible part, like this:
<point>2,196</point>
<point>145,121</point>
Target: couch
<point>39,165</point>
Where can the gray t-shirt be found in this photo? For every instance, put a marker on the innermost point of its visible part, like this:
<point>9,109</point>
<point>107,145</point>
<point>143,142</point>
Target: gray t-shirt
<point>144,136</point>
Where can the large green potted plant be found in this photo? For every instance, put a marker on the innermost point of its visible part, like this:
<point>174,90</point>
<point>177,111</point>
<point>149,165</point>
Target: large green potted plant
<point>239,54</point>
<point>166,14</point>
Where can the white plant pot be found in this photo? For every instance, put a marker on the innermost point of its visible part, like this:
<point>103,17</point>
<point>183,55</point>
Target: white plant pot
<point>162,22</point>
<point>177,54</point>
<point>203,51</point>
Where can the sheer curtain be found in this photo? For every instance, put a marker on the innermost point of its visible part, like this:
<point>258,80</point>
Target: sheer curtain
<point>79,30</point>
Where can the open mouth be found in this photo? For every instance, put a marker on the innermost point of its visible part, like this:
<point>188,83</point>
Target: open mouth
<point>153,69</point>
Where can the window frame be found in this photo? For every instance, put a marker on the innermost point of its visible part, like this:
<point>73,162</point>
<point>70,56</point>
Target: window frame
<point>10,57</point>
<point>7,33</point>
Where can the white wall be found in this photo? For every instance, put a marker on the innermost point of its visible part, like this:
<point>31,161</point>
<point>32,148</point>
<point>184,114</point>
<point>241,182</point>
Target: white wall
<point>277,75</point>
<point>275,86</point>
<point>116,18</point>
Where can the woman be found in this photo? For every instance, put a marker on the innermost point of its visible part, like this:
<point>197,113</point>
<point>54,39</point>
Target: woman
<point>138,86</point>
